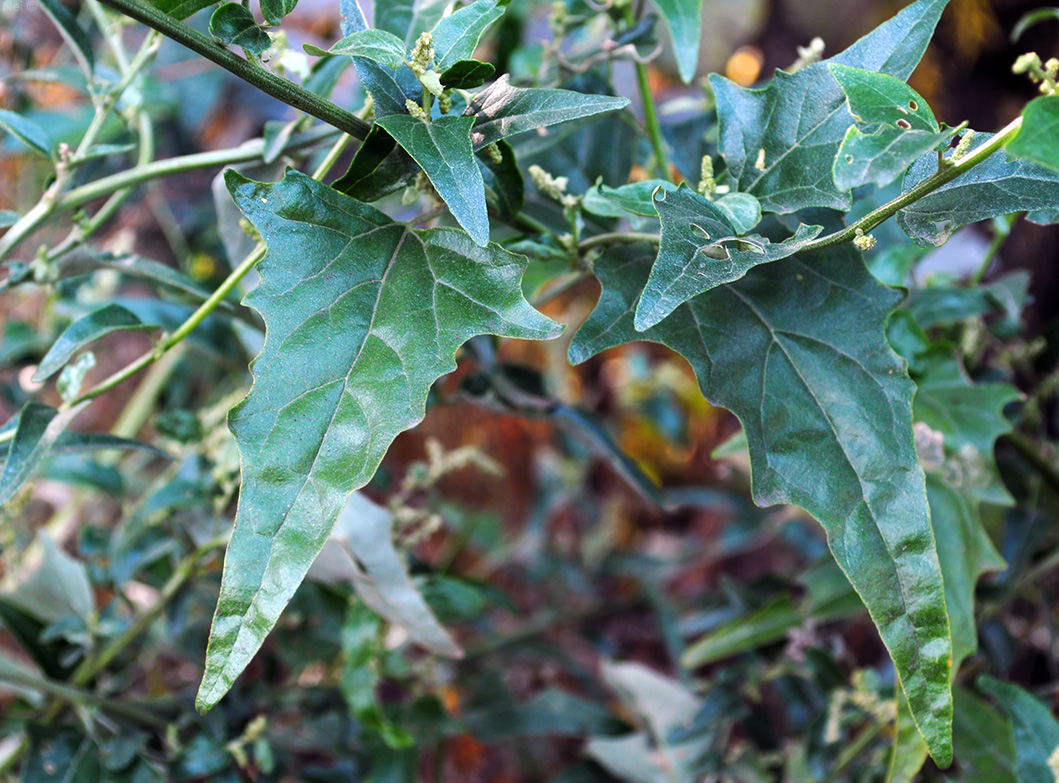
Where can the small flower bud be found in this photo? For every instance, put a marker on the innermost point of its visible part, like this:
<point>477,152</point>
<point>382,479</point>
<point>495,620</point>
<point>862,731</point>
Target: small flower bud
<point>415,109</point>
<point>494,153</point>
<point>445,102</point>
<point>864,241</point>
<point>964,146</point>
<point>553,187</point>
<point>707,184</point>
<point>422,54</point>
<point>1027,63</point>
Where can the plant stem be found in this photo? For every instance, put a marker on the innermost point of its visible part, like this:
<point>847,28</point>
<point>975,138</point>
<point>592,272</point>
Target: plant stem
<point>282,89</point>
<point>1001,231</point>
<point>654,129</point>
<point>628,237</point>
<point>930,184</point>
<point>76,696</point>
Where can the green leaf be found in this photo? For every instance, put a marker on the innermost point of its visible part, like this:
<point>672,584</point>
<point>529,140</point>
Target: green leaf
<point>107,319</point>
<point>72,33</point>
<point>181,9</point>
<point>970,417</point>
<point>57,589</point>
<point>360,675</point>
<point>742,210</point>
<point>443,149</point>
<point>504,179</point>
<point>683,19</point>
<point>1036,729</point>
<point>408,18</point>
<point>779,141</point>
<point>984,740</point>
<point>378,168</point>
<point>466,74</point>
<point>895,128</point>
<point>457,35</point>
<point>36,429</point>
<point>82,442</point>
<point>275,10</point>
<point>965,552</point>
<point>234,25</point>
<point>636,198</point>
<point>766,625</point>
<point>362,316</point>
<point>389,89</point>
<point>376,45</point>
<point>8,218</point>
<point>996,186</point>
<point>701,250</point>
<point>797,350</point>
<point>1040,128</point>
<point>28,132</point>
<point>501,110</point>
<point>881,99</point>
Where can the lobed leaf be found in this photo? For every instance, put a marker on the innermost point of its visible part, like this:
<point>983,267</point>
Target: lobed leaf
<point>442,148</point>
<point>700,250</point>
<point>362,316</point>
<point>779,141</point>
<point>826,406</point>
<point>996,186</point>
<point>1040,128</point>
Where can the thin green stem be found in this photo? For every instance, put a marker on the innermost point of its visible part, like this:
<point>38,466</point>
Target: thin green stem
<point>77,696</point>
<point>270,83</point>
<point>1001,231</point>
<point>332,156</point>
<point>654,129</point>
<point>617,238</point>
<point>943,176</point>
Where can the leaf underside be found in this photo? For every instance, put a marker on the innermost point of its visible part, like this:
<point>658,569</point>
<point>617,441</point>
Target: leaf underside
<point>826,406</point>
<point>362,316</point>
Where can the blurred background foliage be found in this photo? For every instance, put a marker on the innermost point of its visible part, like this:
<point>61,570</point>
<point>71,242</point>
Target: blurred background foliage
<point>612,630</point>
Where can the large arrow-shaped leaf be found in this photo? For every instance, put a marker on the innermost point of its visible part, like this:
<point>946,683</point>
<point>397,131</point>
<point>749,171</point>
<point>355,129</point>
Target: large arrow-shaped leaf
<point>362,316</point>
<point>797,350</point>
<point>780,141</point>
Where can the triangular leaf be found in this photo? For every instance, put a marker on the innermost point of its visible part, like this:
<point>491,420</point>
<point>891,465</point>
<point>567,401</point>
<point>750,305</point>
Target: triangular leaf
<point>443,149</point>
<point>362,316</point>
<point>827,409</point>
<point>501,110</point>
<point>779,141</point>
<point>378,46</point>
<point>701,250</point>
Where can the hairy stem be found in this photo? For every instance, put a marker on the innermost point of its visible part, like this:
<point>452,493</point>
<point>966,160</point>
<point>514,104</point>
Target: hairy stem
<point>270,83</point>
<point>933,182</point>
